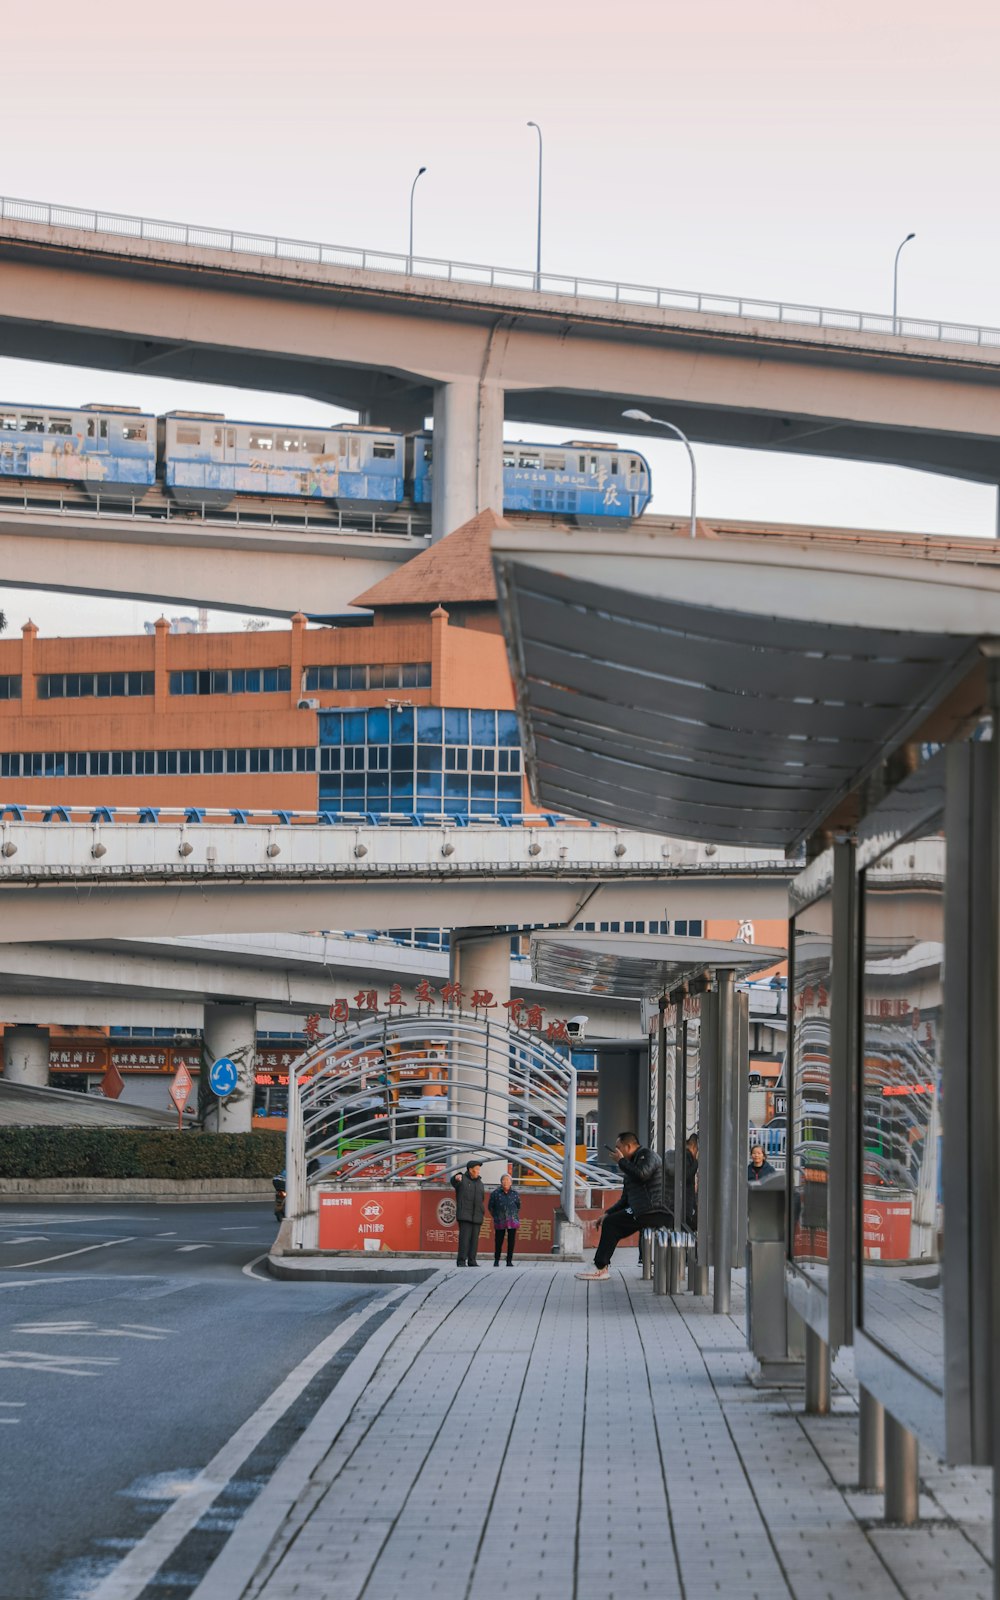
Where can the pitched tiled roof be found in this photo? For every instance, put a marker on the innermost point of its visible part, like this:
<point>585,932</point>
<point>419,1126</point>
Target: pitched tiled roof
<point>454,571</point>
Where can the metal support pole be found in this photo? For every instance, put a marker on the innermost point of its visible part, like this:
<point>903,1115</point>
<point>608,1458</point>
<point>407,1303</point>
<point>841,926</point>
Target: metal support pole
<point>660,1132</point>
<point>569,1151</point>
<point>680,1116</point>
<point>902,1474</point>
<point>647,1241</point>
<point>725,1155</point>
<point>871,1441</point>
<point>817,1375</point>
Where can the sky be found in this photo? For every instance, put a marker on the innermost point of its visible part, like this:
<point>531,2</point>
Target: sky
<point>779,150</point>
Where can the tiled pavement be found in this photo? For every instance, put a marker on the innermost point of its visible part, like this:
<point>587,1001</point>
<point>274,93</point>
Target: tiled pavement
<point>519,1433</point>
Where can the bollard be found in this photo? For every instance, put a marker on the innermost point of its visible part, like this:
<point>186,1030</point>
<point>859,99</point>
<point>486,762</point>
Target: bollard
<point>661,1262</point>
<point>697,1276</point>
<point>646,1249</point>
<point>678,1254</point>
<point>902,1474</point>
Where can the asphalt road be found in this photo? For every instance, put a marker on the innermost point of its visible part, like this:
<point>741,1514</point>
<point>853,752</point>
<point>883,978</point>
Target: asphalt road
<point>134,1342</point>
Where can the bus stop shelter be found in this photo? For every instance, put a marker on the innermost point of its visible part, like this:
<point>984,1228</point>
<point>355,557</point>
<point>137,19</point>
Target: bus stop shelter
<point>698,1070</point>
<point>836,697</point>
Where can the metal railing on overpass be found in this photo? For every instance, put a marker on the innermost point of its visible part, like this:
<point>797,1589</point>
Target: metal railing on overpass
<point>44,501</point>
<point>248,243</point>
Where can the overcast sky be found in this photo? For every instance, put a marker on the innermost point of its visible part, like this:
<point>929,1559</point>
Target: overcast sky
<point>778,149</point>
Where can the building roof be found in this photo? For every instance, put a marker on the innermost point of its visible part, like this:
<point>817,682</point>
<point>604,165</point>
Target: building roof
<point>457,570</point>
<point>734,690</point>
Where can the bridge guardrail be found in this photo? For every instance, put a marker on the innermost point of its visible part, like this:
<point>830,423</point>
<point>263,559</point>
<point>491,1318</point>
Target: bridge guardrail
<point>245,242</point>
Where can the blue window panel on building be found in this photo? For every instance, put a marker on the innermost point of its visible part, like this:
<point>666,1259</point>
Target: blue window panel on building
<point>484,727</point>
<point>429,723</point>
<point>507,729</point>
<point>456,726</point>
<point>378,727</point>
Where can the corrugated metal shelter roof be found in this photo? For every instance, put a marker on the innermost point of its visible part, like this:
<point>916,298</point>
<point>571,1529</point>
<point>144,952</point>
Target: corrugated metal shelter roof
<point>24,1105</point>
<point>456,570</point>
<point>733,690</point>
<point>637,966</point>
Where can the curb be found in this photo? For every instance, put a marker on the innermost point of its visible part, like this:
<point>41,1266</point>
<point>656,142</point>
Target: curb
<point>129,1190</point>
<point>347,1271</point>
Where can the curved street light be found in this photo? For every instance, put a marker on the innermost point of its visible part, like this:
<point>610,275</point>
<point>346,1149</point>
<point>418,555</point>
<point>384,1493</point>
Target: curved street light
<point>895,281</point>
<point>643,416</point>
<point>409,258</point>
<point>538,252</point>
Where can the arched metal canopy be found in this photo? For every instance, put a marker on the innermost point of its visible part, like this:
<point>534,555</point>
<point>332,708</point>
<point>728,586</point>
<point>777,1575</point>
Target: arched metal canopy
<point>637,967</point>
<point>732,689</point>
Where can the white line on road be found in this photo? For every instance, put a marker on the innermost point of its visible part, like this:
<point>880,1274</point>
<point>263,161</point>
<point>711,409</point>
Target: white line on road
<point>43,1260</point>
<point>248,1271</point>
<point>171,1235</point>
<point>182,1247</point>
<point>90,1330</point>
<point>135,1570</point>
<point>64,1366</point>
<point>28,1238</point>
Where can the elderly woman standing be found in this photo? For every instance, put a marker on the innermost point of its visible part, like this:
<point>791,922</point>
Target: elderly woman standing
<point>505,1209</point>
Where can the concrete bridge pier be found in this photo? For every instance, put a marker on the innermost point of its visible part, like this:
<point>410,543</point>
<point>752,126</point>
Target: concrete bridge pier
<point>468,453</point>
<point>232,1031</point>
<point>26,1056</point>
<point>482,963</point>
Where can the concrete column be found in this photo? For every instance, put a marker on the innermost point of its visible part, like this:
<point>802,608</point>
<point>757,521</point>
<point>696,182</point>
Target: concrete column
<point>480,1113</point>
<point>617,1098</point>
<point>232,1031</point>
<point>468,453</point>
<point>26,1056</point>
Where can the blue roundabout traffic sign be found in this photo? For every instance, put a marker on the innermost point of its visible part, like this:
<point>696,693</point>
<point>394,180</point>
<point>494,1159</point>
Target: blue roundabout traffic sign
<point>223,1077</point>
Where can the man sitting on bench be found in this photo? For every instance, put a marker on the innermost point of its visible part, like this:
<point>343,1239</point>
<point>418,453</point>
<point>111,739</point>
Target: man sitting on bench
<point>641,1196</point>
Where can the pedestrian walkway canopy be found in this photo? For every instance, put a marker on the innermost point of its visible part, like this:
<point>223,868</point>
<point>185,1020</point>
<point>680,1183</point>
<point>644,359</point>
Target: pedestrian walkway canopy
<point>735,689</point>
<point>639,967</point>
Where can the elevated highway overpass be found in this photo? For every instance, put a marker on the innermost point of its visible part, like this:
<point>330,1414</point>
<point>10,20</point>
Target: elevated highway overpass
<point>178,874</point>
<point>395,339</point>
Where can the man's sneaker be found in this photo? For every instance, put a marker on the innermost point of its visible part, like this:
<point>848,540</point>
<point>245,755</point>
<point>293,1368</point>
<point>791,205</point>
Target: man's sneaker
<point>597,1276</point>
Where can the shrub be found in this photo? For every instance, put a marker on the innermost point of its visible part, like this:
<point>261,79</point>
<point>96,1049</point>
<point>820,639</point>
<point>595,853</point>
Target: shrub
<point>138,1153</point>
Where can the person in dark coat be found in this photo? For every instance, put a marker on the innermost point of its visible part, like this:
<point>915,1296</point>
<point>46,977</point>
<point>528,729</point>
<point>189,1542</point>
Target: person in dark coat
<point>505,1209</point>
<point>642,1186</point>
<point>470,1209</point>
<point>759,1167</point>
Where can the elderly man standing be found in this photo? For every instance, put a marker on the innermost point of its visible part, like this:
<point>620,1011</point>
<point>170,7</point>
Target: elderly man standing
<point>470,1209</point>
<point>642,1172</point>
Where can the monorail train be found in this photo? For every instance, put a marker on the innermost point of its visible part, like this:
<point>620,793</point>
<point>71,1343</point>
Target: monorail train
<point>202,459</point>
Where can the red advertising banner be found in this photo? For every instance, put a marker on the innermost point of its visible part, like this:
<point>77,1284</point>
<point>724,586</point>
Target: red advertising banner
<point>372,1220</point>
<point>886,1229</point>
<point>439,1230</point>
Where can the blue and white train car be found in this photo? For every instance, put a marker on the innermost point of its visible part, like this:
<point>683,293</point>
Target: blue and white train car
<point>208,460</point>
<point>98,447</point>
<point>580,481</point>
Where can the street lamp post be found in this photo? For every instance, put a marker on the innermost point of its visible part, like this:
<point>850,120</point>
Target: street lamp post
<point>413,185</point>
<point>660,422</point>
<point>538,251</point>
<point>895,281</point>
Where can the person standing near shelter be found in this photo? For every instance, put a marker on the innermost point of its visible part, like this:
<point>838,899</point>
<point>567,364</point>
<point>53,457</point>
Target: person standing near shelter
<point>642,1172</point>
<point>505,1209</point>
<point>470,1209</point>
<point>759,1167</point>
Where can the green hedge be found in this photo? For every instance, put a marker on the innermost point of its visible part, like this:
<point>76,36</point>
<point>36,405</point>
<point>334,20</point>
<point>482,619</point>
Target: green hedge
<point>138,1153</point>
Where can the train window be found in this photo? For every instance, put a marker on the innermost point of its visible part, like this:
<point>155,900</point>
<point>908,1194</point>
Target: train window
<point>132,430</point>
<point>429,451</point>
<point>287,441</point>
<point>261,441</point>
<point>313,444</point>
<point>8,421</point>
<point>97,428</point>
<point>32,425</point>
<point>384,450</point>
<point>614,465</point>
<point>509,458</point>
<point>583,463</point>
<point>634,464</point>
<point>189,436</point>
<point>60,425</point>
<point>554,461</point>
<point>527,458</point>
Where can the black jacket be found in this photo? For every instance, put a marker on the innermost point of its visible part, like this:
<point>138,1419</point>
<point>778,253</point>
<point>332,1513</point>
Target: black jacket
<point>642,1189</point>
<point>470,1198</point>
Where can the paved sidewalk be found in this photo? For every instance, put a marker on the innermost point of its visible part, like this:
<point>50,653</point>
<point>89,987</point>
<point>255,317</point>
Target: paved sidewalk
<point>521,1433</point>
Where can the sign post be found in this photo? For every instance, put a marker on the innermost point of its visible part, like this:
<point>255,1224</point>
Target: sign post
<point>180,1089</point>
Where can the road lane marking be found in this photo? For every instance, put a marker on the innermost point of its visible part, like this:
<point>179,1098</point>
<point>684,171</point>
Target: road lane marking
<point>43,1260</point>
<point>11,1404</point>
<point>181,1248</point>
<point>171,1235</point>
<point>28,1238</point>
<point>90,1330</point>
<point>62,1366</point>
<point>257,1277</point>
<point>135,1570</point>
